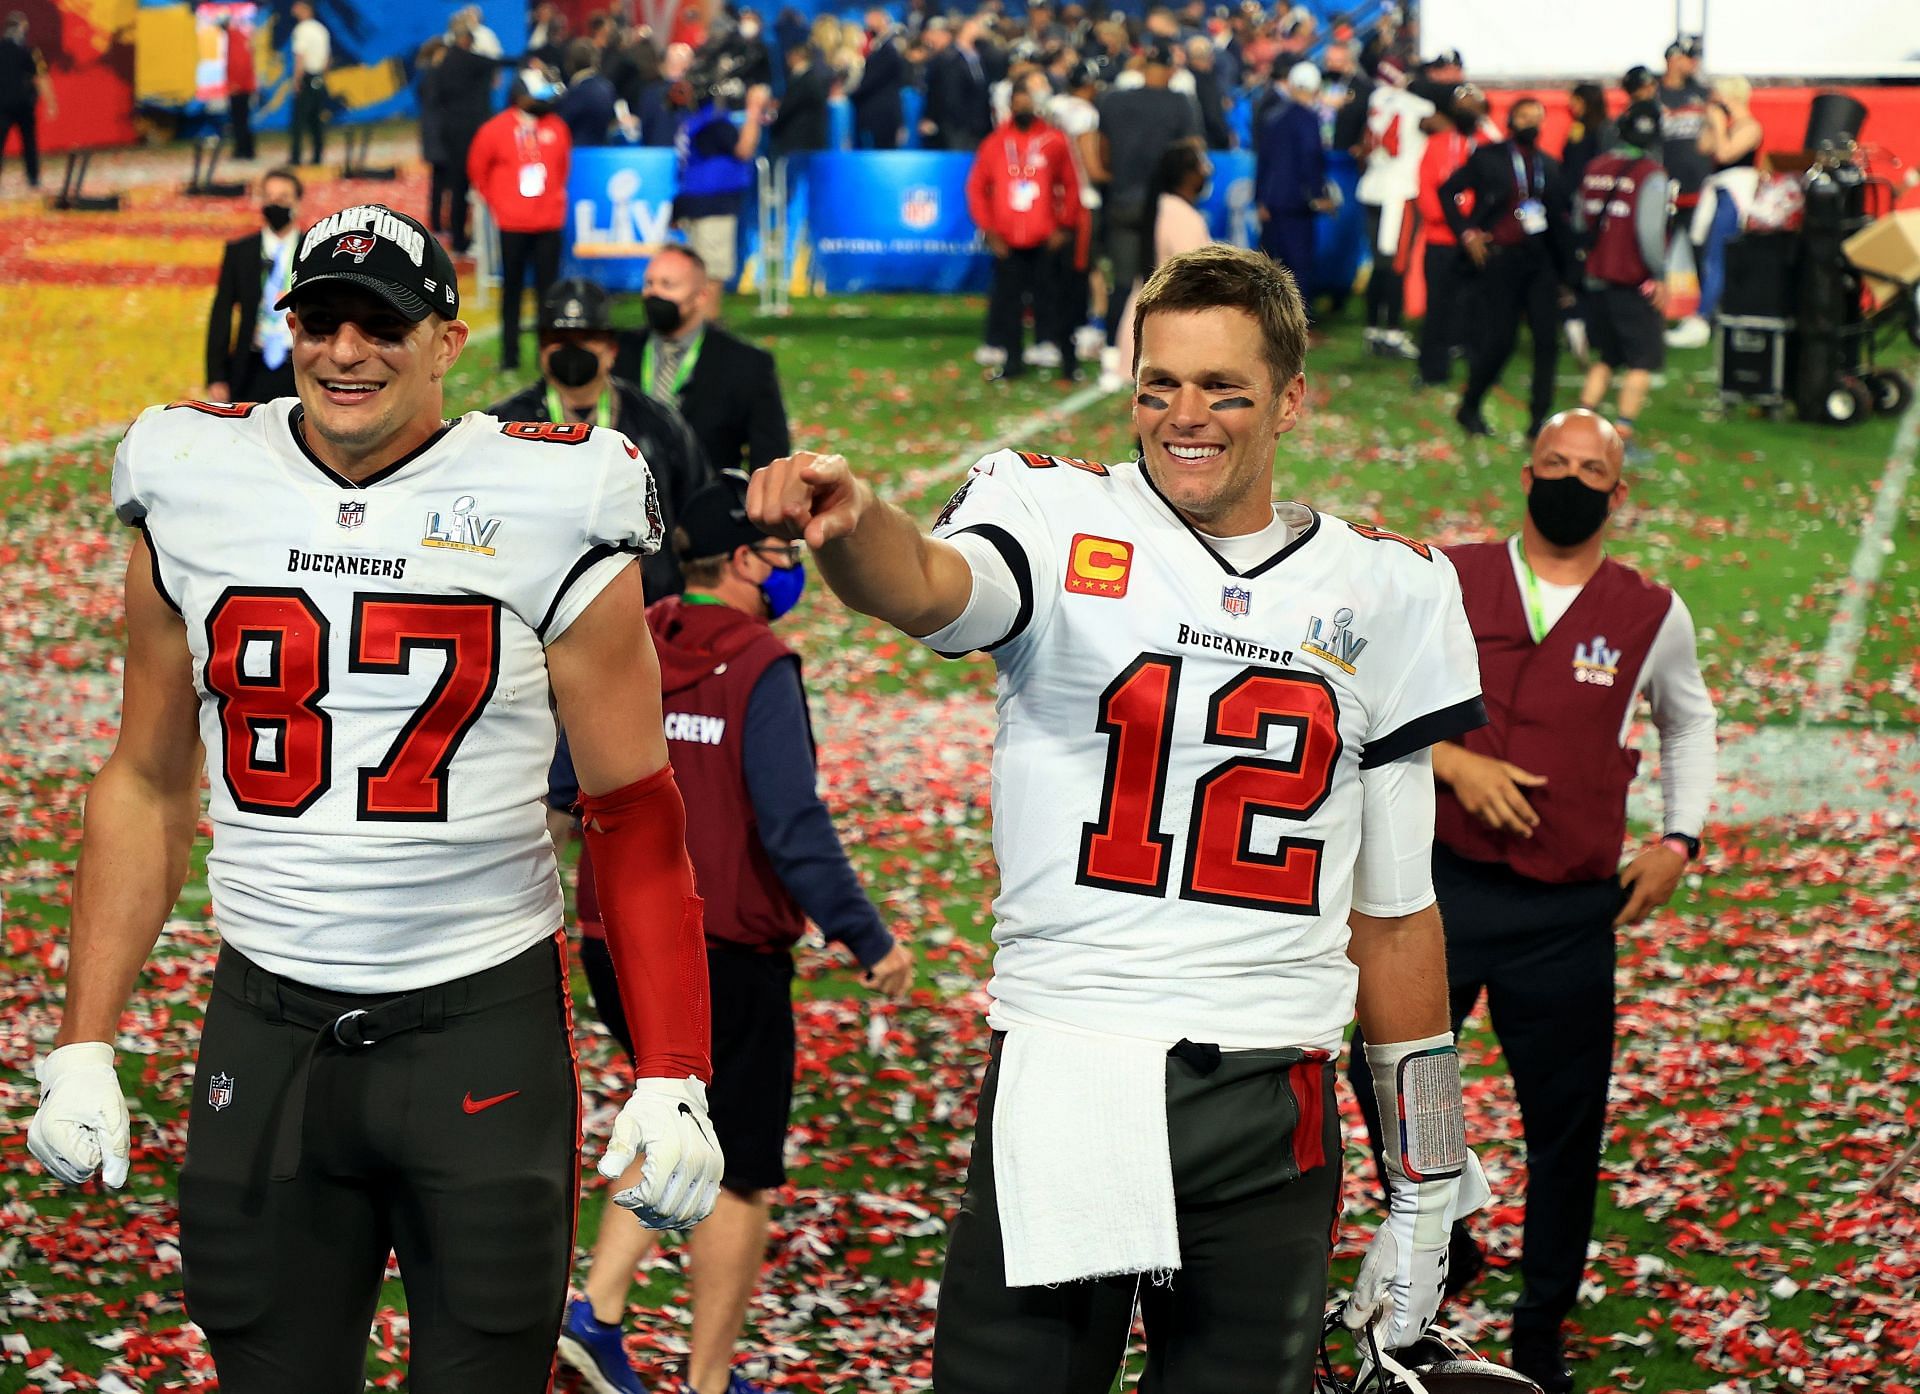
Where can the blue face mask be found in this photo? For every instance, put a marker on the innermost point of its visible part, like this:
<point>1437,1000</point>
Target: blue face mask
<point>782,589</point>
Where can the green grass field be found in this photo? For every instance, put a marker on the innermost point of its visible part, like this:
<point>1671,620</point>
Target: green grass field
<point>1765,1065</point>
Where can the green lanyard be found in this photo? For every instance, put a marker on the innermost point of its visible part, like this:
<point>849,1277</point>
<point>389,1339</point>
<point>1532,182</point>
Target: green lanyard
<point>1536,612</point>
<point>602,412</point>
<point>686,364</point>
<point>700,598</point>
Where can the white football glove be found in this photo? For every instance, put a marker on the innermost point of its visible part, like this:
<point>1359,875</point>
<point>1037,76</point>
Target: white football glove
<point>82,1124</point>
<point>666,1119</point>
<point>1404,1274</point>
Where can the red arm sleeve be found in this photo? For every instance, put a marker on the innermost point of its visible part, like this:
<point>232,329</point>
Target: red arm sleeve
<point>980,195</point>
<point>638,838</point>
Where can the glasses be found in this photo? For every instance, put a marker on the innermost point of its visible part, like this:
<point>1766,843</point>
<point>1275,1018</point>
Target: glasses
<point>779,553</point>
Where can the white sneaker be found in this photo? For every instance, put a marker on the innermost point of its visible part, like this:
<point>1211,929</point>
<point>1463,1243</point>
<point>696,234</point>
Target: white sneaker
<point>1042,355</point>
<point>987,356</point>
<point>1690,333</point>
<point>1110,360</point>
<point>1087,343</point>
<point>1111,382</point>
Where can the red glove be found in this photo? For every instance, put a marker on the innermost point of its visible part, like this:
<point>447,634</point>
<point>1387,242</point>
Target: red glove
<point>638,839</point>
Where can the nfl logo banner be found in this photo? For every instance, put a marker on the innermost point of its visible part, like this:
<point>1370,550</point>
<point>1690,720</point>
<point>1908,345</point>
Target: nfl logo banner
<point>352,515</point>
<point>220,1091</point>
<point>1236,601</point>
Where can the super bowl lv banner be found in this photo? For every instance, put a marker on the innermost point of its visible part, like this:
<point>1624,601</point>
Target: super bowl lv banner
<point>894,220</point>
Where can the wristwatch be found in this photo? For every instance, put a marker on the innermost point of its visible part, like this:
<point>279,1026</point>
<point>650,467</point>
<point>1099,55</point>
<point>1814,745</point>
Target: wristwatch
<point>1688,847</point>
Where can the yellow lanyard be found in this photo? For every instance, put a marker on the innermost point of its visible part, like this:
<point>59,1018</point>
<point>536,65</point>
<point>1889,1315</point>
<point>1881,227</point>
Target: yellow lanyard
<point>686,364</point>
<point>602,413</point>
<point>1536,612</point>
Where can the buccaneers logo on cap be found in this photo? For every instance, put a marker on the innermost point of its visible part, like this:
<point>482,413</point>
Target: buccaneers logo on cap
<point>355,245</point>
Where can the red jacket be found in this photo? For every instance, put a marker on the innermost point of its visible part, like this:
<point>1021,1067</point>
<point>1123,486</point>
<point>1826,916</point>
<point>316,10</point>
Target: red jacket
<point>501,149</point>
<point>1022,185</point>
<point>1444,154</point>
<point>240,76</point>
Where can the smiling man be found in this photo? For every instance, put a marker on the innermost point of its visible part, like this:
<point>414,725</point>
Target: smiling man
<point>1213,813</point>
<point>360,610</point>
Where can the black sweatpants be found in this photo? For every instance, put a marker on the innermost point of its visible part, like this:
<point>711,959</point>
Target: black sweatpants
<point>1256,1176</point>
<point>519,253</point>
<point>309,117</point>
<point>1516,284</point>
<point>240,118</point>
<point>451,1140</point>
<point>1022,277</point>
<point>24,119</point>
<point>1386,289</point>
<point>1440,333</point>
<point>1544,955</point>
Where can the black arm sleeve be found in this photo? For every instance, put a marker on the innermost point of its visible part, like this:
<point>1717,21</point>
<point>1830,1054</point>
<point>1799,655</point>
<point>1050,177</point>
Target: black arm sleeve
<point>767,436</point>
<point>220,323</point>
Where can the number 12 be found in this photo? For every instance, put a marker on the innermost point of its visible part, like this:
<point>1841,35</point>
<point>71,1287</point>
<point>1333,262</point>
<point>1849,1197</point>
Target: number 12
<point>1126,850</point>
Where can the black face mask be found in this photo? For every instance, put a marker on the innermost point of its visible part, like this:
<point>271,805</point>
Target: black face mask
<point>1023,119</point>
<point>1566,511</point>
<point>573,365</point>
<point>278,216</point>
<point>664,316</point>
<point>1526,136</point>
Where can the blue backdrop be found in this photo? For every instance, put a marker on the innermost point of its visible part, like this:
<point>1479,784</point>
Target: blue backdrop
<point>619,207</point>
<point>894,220</point>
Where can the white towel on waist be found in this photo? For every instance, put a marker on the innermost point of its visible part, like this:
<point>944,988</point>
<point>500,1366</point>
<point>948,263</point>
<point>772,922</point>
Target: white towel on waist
<point>1080,1157</point>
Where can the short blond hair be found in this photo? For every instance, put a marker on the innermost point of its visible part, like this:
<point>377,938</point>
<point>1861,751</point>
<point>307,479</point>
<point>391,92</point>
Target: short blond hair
<point>1732,90</point>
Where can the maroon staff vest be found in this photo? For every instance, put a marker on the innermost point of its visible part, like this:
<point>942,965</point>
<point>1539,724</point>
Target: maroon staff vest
<point>1609,195</point>
<point>1555,708</point>
<point>710,658</point>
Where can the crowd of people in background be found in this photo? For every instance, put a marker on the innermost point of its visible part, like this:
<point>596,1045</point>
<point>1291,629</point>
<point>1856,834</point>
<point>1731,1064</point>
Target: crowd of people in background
<point>1091,133</point>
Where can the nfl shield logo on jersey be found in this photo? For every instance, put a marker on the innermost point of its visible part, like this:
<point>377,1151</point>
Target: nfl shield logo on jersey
<point>220,1092</point>
<point>352,515</point>
<point>1236,600</point>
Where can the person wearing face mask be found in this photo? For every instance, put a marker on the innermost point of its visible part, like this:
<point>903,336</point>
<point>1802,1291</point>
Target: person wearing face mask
<point>249,347</point>
<point>1531,818</point>
<point>767,860</point>
<point>727,388</point>
<point>1520,260</point>
<point>577,383</point>
<point>1024,196</point>
<point>518,164</point>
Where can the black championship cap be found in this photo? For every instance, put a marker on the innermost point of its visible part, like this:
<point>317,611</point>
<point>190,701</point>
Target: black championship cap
<point>715,518</point>
<point>1640,125</point>
<point>1638,76</point>
<point>576,303</point>
<point>388,253</point>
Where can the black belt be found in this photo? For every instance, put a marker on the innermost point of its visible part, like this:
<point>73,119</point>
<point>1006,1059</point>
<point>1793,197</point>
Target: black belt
<point>339,1024</point>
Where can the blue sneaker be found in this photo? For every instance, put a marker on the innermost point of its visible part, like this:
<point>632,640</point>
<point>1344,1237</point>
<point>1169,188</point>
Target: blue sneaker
<point>593,1347</point>
<point>737,1383</point>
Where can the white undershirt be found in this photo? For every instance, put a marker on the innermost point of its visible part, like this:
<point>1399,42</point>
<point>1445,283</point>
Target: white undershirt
<point>1677,699</point>
<point>1251,548</point>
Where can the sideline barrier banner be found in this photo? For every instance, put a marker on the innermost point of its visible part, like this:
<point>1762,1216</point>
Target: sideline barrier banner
<point>894,220</point>
<point>619,211</point>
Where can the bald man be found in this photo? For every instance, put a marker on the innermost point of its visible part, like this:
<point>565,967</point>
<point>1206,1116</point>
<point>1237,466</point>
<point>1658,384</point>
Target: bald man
<point>1532,814</point>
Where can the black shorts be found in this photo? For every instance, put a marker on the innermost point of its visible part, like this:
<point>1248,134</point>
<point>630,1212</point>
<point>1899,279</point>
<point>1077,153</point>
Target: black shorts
<point>1624,328</point>
<point>1256,1176</point>
<point>452,1140</point>
<point>752,1091</point>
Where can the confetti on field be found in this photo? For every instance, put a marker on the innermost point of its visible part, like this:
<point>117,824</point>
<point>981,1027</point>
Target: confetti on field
<point>1765,1066</point>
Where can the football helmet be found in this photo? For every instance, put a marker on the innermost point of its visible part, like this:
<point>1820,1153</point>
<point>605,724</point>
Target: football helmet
<point>1438,1363</point>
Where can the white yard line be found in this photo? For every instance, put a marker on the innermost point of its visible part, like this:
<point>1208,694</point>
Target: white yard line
<point>1062,410</point>
<point>1869,557</point>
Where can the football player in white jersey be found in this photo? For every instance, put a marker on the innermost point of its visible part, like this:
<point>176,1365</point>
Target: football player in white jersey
<point>361,610</point>
<point>1213,815</point>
